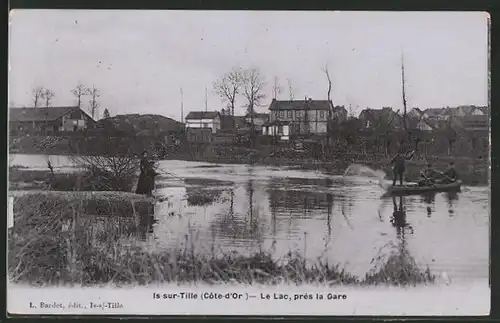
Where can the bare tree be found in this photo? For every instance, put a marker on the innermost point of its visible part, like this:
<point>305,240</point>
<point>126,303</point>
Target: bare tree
<point>228,86</point>
<point>93,104</point>
<point>79,91</point>
<point>330,110</point>
<point>404,99</point>
<point>276,88</point>
<point>47,95</point>
<point>291,90</point>
<point>37,95</point>
<point>253,89</point>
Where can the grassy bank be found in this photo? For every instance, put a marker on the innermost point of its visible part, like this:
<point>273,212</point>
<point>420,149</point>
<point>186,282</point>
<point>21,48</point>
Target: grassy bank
<point>25,179</point>
<point>54,242</point>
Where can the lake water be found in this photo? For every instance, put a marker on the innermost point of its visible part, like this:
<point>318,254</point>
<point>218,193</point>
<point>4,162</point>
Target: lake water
<point>342,219</point>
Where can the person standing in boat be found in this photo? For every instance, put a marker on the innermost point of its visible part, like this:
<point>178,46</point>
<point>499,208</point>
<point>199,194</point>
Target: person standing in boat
<point>399,165</point>
<point>146,181</point>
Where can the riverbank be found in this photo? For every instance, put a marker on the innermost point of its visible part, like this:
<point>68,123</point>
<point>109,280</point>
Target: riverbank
<point>55,242</point>
<point>473,172</point>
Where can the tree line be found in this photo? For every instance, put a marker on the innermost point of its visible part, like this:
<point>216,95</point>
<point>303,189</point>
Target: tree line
<point>248,83</point>
<point>43,96</point>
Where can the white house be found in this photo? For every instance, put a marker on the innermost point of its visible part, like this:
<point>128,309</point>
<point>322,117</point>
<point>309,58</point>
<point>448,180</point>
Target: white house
<point>424,126</point>
<point>202,119</point>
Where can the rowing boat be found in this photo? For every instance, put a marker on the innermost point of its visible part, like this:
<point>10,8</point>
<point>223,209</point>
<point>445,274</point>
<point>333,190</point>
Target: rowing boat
<point>416,189</point>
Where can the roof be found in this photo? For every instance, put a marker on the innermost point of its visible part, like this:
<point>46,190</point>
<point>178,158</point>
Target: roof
<point>485,110</point>
<point>377,114</point>
<point>480,118</point>
<point>202,115</point>
<point>300,105</point>
<point>436,112</point>
<point>39,114</point>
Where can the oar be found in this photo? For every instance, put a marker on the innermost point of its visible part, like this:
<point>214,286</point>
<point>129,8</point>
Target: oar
<point>428,179</point>
<point>446,176</point>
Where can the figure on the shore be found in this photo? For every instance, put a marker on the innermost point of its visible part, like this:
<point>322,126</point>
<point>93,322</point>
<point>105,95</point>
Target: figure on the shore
<point>146,182</point>
<point>398,166</point>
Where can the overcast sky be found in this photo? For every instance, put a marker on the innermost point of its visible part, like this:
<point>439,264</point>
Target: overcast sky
<point>140,59</point>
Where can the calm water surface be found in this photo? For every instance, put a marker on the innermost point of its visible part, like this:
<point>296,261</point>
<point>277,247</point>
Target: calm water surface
<point>224,208</point>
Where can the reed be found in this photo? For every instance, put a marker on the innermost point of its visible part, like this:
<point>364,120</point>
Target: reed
<point>54,243</point>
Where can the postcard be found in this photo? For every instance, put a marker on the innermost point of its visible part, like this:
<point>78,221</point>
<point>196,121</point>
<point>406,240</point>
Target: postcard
<point>248,163</point>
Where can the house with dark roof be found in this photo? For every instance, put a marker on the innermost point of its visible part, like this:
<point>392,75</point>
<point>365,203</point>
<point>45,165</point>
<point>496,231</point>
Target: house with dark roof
<point>380,118</point>
<point>49,120</point>
<point>204,120</point>
<point>302,116</point>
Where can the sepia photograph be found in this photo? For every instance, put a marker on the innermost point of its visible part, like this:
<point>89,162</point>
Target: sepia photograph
<point>173,162</point>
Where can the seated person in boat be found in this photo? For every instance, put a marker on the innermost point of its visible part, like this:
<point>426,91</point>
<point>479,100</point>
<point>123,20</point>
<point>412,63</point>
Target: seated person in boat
<point>450,175</point>
<point>428,176</point>
<point>398,166</point>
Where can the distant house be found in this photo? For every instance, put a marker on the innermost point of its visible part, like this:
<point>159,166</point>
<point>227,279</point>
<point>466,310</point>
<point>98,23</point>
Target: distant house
<point>377,118</point>
<point>259,119</point>
<point>473,122</point>
<point>301,116</point>
<point>204,119</point>
<point>468,110</point>
<point>437,114</point>
<point>415,113</point>
<point>423,125</point>
<point>339,113</point>
<point>48,120</point>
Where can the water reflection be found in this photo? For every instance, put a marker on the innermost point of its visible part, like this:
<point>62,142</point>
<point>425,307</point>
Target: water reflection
<point>452,199</point>
<point>398,219</point>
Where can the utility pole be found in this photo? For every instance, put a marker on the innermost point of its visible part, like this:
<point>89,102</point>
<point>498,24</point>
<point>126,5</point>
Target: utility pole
<point>182,106</point>
<point>404,98</point>
<point>206,100</point>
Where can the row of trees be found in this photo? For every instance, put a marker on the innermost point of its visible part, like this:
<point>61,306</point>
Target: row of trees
<point>248,83</point>
<point>43,95</point>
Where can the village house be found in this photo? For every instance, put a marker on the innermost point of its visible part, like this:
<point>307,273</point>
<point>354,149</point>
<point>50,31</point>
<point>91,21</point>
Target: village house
<point>380,118</point>
<point>339,113</point>
<point>298,117</point>
<point>415,113</point>
<point>49,120</point>
<point>204,120</point>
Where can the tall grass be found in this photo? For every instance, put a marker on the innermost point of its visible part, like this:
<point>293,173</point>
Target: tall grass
<point>54,243</point>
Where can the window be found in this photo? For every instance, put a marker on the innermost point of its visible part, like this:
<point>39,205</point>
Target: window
<point>280,130</point>
<point>322,114</point>
<point>297,114</point>
<point>289,114</point>
<point>282,114</point>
